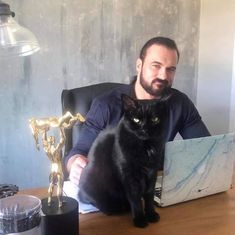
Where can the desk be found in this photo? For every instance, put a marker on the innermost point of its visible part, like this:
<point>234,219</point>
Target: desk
<point>212,215</point>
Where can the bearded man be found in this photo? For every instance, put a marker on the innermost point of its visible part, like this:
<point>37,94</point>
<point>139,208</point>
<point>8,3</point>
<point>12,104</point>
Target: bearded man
<point>156,67</point>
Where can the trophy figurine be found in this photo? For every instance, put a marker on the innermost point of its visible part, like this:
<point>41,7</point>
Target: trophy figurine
<point>53,150</point>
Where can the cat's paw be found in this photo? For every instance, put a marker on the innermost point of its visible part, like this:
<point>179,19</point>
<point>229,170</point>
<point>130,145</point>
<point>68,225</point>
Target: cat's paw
<point>140,222</point>
<point>153,217</point>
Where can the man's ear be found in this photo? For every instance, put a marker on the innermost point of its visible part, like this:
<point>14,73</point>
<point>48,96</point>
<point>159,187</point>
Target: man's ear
<point>138,65</point>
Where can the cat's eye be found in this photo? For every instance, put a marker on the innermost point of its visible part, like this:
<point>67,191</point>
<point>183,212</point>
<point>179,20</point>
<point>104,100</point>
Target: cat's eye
<point>136,120</point>
<point>156,120</point>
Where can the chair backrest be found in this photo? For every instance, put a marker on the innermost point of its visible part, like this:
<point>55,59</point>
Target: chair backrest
<point>78,100</point>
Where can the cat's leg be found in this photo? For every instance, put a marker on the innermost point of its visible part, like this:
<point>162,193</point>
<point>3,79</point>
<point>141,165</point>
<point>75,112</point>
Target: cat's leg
<point>150,213</point>
<point>138,215</point>
<point>134,196</point>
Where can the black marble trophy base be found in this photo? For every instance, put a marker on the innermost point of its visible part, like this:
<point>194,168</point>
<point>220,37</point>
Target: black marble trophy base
<point>60,221</point>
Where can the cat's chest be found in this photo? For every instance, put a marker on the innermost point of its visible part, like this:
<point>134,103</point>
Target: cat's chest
<point>142,154</point>
<point>148,150</point>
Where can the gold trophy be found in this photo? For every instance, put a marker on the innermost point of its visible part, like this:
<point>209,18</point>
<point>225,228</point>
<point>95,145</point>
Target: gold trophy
<point>56,178</point>
<point>53,150</point>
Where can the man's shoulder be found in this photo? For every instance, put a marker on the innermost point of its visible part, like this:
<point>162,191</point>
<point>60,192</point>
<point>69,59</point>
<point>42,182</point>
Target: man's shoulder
<point>180,103</point>
<point>176,92</point>
<point>178,95</point>
<point>108,105</point>
<point>114,94</point>
<point>179,100</point>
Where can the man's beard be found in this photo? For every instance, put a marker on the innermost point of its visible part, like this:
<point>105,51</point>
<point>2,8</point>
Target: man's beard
<point>149,88</point>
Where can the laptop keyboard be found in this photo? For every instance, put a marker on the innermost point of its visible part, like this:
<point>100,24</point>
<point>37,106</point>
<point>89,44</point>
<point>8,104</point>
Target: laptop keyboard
<point>157,192</point>
<point>157,196</point>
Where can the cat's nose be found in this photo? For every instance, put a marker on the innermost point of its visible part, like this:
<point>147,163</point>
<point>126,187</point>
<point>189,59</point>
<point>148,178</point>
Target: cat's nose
<point>144,132</point>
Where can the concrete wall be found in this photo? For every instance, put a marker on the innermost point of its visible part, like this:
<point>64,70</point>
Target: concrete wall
<point>216,79</point>
<point>82,42</point>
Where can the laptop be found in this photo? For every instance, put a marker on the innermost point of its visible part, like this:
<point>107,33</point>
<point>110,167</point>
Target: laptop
<point>195,168</point>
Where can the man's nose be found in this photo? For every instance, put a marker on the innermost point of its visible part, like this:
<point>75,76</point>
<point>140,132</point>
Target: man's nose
<point>162,74</point>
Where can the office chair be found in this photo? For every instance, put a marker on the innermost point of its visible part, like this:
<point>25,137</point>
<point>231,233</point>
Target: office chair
<point>79,100</point>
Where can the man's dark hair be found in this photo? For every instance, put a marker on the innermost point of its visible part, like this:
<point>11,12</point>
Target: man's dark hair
<point>163,41</point>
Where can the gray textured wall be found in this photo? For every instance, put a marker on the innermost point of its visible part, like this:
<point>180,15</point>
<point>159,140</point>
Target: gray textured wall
<point>82,42</point>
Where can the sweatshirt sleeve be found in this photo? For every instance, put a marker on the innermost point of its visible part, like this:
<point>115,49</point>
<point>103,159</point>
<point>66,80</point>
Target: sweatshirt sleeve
<point>96,120</point>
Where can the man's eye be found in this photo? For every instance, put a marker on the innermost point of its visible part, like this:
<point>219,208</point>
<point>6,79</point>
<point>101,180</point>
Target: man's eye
<point>156,66</point>
<point>156,120</point>
<point>171,70</point>
<point>136,120</point>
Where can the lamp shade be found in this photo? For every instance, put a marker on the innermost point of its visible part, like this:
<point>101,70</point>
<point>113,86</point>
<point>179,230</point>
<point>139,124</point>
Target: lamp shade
<point>15,40</point>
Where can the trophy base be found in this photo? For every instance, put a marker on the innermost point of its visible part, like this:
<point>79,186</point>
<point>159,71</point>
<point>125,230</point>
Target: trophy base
<point>60,221</point>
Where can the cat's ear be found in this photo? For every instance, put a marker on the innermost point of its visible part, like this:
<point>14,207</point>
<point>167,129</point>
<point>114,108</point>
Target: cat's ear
<point>128,103</point>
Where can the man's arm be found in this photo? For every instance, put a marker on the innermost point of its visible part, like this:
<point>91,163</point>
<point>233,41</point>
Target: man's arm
<point>77,158</point>
<point>195,130</point>
<point>105,111</point>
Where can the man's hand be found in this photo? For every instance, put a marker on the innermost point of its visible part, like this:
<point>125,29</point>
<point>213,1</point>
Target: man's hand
<point>75,166</point>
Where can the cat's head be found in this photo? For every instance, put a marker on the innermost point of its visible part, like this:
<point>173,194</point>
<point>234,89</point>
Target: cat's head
<point>145,118</point>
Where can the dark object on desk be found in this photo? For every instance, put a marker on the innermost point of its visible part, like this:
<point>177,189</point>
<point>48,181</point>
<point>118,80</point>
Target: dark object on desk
<point>60,220</point>
<point>7,190</point>
<point>20,214</point>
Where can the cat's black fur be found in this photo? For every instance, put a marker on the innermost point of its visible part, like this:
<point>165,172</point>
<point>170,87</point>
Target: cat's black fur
<point>123,162</point>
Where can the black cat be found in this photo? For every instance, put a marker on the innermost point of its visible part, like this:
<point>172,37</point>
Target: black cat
<point>123,162</point>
